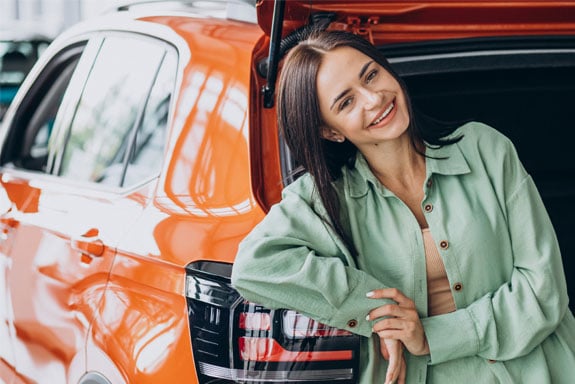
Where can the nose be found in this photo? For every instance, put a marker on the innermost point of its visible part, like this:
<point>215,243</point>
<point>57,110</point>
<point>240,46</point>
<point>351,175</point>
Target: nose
<point>371,98</point>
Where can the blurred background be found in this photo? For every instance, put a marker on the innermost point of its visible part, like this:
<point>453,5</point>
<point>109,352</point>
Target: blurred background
<point>47,16</point>
<point>26,29</point>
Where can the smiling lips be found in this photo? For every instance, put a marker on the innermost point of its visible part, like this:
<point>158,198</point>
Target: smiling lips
<point>385,114</point>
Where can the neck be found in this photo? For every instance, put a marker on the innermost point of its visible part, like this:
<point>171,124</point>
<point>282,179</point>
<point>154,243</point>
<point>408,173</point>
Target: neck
<point>396,161</point>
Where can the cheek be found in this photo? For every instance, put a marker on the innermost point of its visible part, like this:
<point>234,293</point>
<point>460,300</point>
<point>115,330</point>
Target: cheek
<point>350,122</point>
<point>344,122</point>
<point>403,106</point>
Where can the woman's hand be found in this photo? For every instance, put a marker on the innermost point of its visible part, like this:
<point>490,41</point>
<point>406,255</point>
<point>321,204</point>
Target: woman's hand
<point>392,351</point>
<point>402,322</point>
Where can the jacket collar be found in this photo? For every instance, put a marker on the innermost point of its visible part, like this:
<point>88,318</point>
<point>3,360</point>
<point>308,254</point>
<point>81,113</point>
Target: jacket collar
<point>445,160</point>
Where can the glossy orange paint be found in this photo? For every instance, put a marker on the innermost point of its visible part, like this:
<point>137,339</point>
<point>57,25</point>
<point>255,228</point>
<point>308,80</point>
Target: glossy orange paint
<point>390,21</point>
<point>202,207</point>
<point>55,286</point>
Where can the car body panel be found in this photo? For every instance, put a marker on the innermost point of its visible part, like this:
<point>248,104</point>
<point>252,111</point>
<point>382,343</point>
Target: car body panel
<point>142,323</point>
<point>56,287</point>
<point>385,22</point>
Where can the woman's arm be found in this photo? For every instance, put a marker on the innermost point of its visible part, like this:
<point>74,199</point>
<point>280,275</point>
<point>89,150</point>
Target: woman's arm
<point>292,259</point>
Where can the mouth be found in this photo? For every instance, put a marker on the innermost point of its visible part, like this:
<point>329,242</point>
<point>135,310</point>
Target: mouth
<point>384,114</point>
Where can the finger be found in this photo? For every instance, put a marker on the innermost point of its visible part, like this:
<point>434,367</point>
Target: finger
<point>383,350</point>
<point>395,349</point>
<point>402,371</point>
<point>391,334</point>
<point>385,310</point>
<point>391,324</point>
<point>393,367</point>
<point>390,293</point>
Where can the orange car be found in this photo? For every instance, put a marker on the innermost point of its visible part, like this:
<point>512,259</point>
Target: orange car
<point>143,147</point>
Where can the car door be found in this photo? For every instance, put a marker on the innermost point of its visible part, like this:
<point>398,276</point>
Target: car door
<point>24,156</point>
<point>70,204</point>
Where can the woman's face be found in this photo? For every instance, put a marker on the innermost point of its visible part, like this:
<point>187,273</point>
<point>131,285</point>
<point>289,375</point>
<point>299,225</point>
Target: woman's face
<point>359,100</point>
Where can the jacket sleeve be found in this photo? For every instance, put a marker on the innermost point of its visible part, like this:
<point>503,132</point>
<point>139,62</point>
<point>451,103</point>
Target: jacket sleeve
<point>519,315</point>
<point>292,259</point>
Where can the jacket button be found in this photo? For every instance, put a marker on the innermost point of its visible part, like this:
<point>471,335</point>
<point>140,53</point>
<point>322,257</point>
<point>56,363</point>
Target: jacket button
<point>444,244</point>
<point>352,323</point>
<point>428,208</point>
<point>429,183</point>
<point>458,286</point>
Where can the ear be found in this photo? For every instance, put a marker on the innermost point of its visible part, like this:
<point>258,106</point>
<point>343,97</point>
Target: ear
<point>331,135</point>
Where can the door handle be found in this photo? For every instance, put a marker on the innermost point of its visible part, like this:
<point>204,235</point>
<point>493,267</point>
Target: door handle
<point>7,224</point>
<point>89,244</point>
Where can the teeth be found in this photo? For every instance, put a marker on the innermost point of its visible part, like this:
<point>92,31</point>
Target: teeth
<point>385,113</point>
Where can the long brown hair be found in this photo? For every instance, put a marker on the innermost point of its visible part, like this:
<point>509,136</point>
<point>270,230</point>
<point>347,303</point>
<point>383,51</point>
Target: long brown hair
<point>300,120</point>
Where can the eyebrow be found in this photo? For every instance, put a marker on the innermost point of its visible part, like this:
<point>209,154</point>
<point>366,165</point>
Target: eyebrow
<point>360,75</point>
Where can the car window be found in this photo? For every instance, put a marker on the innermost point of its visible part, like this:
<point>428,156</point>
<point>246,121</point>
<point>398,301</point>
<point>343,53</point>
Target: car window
<point>109,109</point>
<point>16,60</point>
<point>147,149</point>
<point>35,144</point>
<point>27,142</point>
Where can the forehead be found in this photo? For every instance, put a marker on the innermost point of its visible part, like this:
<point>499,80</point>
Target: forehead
<point>342,60</point>
<point>338,71</point>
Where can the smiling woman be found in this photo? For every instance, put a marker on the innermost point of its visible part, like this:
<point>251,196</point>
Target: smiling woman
<point>366,105</point>
<point>416,234</point>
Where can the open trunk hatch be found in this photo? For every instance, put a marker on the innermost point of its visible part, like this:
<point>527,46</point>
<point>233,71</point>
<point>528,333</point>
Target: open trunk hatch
<point>412,20</point>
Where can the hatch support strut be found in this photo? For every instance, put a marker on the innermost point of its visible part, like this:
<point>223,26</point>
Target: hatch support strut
<point>273,55</point>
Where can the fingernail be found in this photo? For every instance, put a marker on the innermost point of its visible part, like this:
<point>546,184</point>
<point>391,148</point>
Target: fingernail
<point>370,294</point>
<point>367,317</point>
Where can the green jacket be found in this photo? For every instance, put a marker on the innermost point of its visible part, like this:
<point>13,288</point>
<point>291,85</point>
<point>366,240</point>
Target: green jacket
<point>512,323</point>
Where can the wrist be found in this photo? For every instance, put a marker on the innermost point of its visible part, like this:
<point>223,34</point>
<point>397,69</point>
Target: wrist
<point>425,347</point>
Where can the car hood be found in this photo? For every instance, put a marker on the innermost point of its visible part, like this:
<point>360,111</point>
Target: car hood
<point>411,20</point>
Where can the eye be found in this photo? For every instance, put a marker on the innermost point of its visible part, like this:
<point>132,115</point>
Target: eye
<point>371,75</point>
<point>345,103</point>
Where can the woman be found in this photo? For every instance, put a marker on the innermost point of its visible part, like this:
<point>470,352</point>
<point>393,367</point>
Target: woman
<point>419,236</point>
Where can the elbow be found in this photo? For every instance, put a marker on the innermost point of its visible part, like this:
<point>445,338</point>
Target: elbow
<point>248,285</point>
<point>552,310</point>
<point>240,267</point>
<point>242,278</point>
<point>240,283</point>
<point>562,307</point>
<point>238,277</point>
<point>558,303</point>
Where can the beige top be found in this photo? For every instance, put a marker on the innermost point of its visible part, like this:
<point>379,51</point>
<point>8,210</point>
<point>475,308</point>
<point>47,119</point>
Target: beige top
<point>439,297</point>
